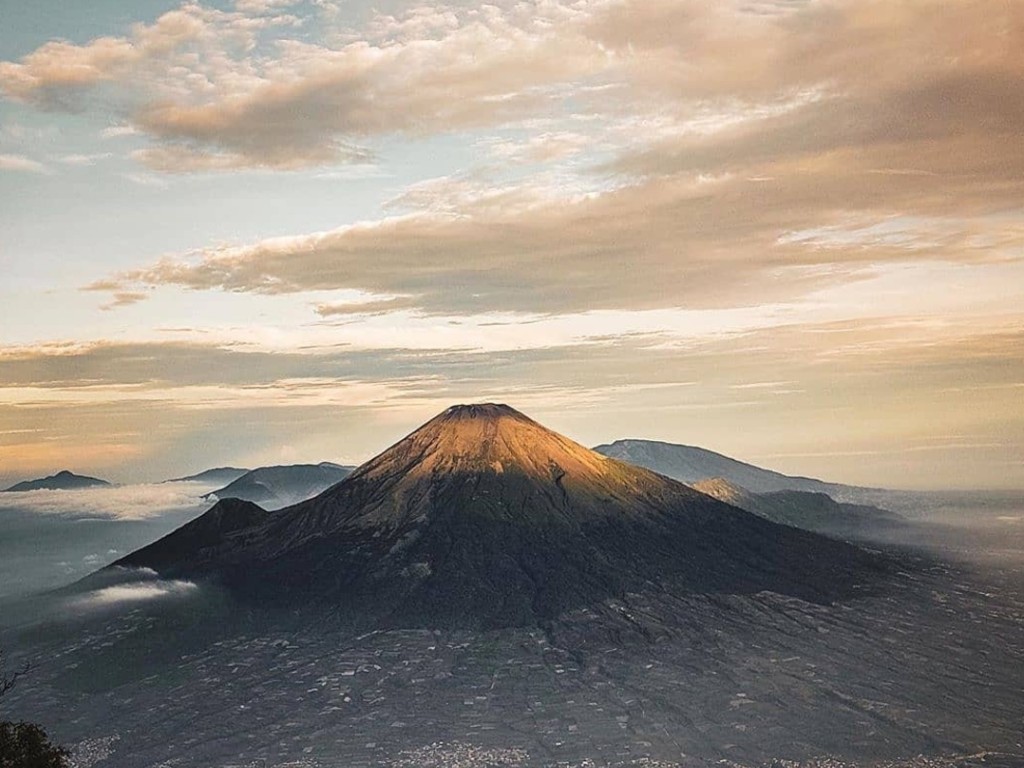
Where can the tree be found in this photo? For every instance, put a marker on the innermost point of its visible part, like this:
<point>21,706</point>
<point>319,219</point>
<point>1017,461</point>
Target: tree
<point>25,745</point>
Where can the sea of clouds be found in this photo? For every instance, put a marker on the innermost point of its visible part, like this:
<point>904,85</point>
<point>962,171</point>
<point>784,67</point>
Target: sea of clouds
<point>120,502</point>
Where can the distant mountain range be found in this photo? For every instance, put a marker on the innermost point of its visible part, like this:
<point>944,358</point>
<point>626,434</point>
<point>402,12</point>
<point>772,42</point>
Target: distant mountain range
<point>483,518</point>
<point>215,476</point>
<point>279,486</point>
<point>801,502</point>
<point>62,481</point>
<point>690,464</point>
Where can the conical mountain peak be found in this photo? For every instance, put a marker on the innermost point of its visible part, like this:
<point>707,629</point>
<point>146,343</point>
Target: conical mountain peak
<point>482,517</point>
<point>486,437</point>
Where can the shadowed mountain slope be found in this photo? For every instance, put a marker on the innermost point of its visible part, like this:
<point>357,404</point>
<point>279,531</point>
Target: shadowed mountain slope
<point>805,509</point>
<point>224,524</point>
<point>484,518</point>
<point>62,481</point>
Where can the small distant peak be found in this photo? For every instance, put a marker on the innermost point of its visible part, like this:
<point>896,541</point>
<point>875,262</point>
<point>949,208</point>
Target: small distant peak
<point>232,514</point>
<point>61,481</point>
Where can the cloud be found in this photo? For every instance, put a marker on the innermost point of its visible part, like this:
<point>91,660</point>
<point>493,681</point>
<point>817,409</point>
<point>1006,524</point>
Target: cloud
<point>124,299</point>
<point>144,180</point>
<point>22,164</point>
<point>200,83</point>
<point>656,244</point>
<point>660,192</point>
<point>118,131</point>
<point>691,155</point>
<point>129,594</point>
<point>262,7</point>
<point>372,306</point>
<point>541,148</point>
<point>876,382</point>
<point>83,159</point>
<point>127,502</point>
<point>229,89</point>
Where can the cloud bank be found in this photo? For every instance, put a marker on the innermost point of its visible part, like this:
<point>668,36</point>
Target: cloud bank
<point>718,155</point>
<point>126,502</point>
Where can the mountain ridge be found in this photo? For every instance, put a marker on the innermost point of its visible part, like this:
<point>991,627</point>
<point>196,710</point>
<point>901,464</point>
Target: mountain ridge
<point>810,510</point>
<point>278,486</point>
<point>223,475</point>
<point>691,464</point>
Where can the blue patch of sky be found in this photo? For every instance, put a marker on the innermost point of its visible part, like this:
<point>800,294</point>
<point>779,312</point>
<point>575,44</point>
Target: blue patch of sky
<point>27,25</point>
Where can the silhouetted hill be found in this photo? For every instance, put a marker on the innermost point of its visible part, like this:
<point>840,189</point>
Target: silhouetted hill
<point>62,481</point>
<point>276,487</point>
<point>484,518</point>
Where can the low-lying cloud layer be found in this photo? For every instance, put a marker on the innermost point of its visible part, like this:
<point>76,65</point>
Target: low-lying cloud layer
<point>126,502</point>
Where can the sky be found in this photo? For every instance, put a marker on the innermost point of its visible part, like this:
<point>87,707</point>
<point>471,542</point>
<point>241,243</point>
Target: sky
<point>275,231</point>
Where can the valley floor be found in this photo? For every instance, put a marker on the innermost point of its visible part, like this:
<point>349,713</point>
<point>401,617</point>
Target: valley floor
<point>931,670</point>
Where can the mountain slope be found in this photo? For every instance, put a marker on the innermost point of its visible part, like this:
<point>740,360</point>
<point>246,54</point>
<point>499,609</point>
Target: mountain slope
<point>811,511</point>
<point>223,522</point>
<point>217,475</point>
<point>276,487</point>
<point>484,518</point>
<point>62,481</point>
<point>690,464</point>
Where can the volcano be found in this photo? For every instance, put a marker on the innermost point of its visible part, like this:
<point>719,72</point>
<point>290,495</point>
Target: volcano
<point>483,518</point>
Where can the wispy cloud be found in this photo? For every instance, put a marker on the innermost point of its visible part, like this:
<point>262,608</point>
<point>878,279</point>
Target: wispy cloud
<point>118,131</point>
<point>22,164</point>
<point>84,160</point>
<point>124,299</point>
<point>139,592</point>
<point>522,250</point>
<point>847,388</point>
